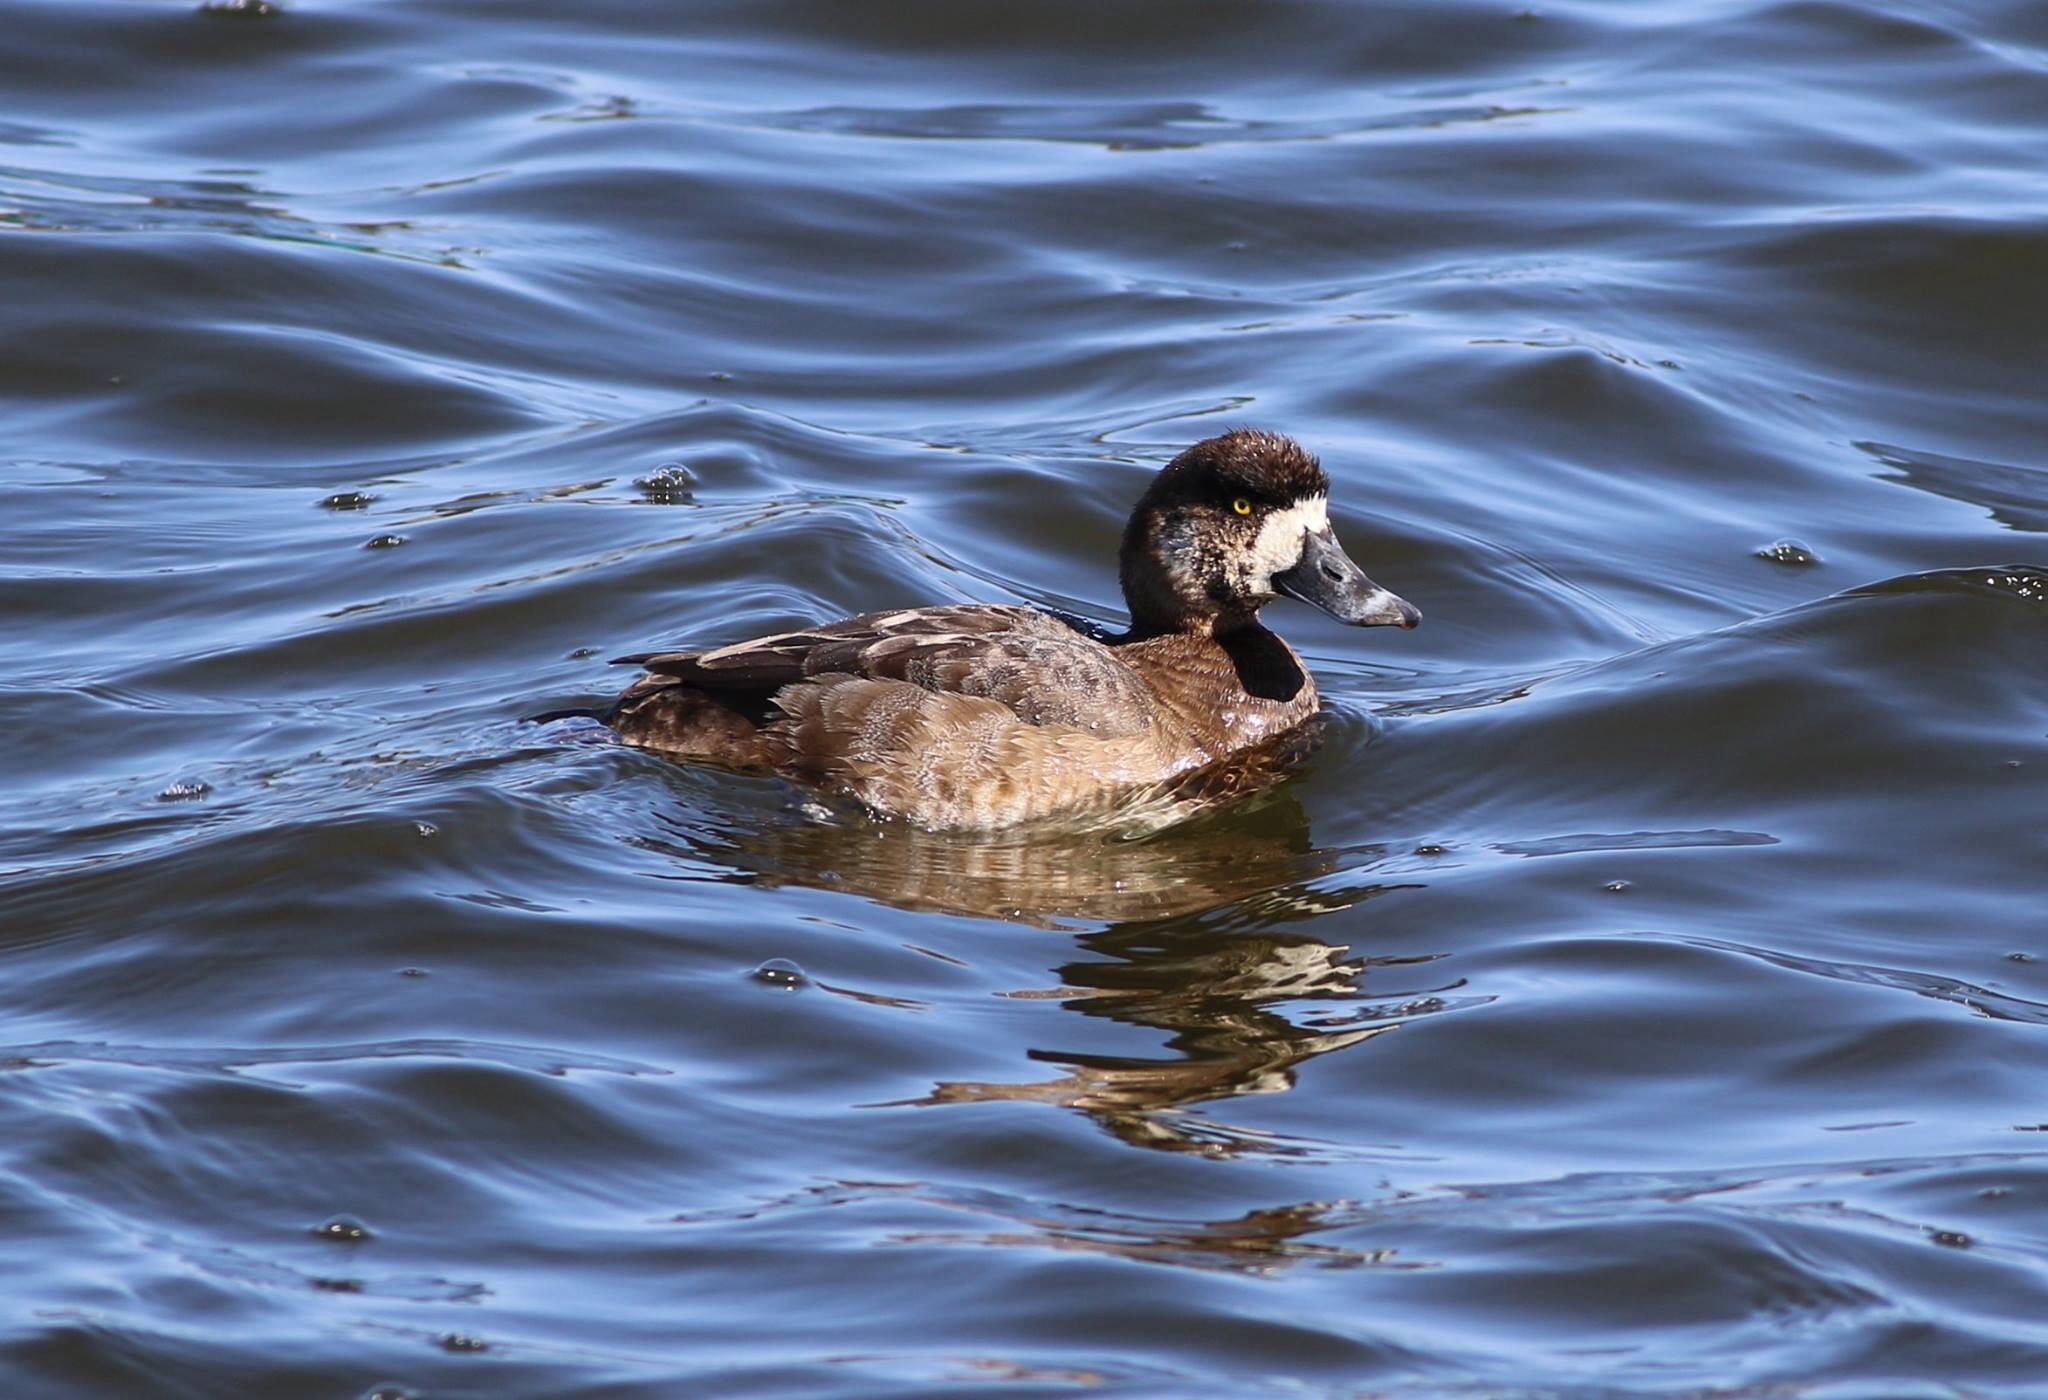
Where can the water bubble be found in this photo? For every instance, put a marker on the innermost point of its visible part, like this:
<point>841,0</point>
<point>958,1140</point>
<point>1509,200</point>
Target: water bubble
<point>342,1230</point>
<point>384,542</point>
<point>185,790</point>
<point>1617,887</point>
<point>1431,848</point>
<point>348,500</point>
<point>460,1342</point>
<point>387,1391</point>
<point>424,829</point>
<point>669,484</point>
<point>1791,553</point>
<point>781,973</point>
<point>239,9</point>
<point>1994,1193</point>
<point>2019,957</point>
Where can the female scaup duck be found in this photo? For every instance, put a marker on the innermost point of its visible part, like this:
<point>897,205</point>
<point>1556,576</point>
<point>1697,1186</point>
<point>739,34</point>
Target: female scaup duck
<point>976,716</point>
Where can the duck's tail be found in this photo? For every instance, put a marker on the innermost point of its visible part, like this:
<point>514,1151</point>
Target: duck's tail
<point>601,713</point>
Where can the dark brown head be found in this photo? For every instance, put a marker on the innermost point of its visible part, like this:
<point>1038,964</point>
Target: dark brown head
<point>1231,523</point>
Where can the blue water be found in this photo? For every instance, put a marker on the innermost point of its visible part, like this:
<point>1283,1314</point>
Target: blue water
<point>1639,993</point>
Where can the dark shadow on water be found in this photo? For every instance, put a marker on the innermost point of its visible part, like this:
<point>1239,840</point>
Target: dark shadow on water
<point>2017,497</point>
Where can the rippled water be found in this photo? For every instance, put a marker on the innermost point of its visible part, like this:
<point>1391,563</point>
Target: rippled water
<point>1640,992</point>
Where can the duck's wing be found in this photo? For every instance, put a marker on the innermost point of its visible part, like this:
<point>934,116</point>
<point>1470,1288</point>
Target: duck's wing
<point>1042,668</point>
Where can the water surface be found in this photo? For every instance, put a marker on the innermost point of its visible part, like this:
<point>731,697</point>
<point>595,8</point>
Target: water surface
<point>1638,993</point>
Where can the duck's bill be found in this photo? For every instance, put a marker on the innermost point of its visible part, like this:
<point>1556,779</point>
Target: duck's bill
<point>1327,579</point>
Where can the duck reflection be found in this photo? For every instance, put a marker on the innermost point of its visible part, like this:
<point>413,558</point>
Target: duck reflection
<point>1259,1242</point>
<point>1262,1241</point>
<point>1203,942</point>
<point>1237,1009</point>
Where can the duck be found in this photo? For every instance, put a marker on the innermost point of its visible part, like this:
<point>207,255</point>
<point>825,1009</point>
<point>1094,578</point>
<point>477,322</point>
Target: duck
<point>979,717</point>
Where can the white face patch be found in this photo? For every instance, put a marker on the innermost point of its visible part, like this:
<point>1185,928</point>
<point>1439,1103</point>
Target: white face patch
<point>1281,535</point>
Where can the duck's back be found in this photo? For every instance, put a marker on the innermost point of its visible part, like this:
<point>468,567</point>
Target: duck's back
<point>968,716</point>
<point>1045,670</point>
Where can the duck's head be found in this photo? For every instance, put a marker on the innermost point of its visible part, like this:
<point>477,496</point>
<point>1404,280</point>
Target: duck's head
<point>1232,523</point>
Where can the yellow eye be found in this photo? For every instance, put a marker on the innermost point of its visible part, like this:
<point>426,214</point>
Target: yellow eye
<point>1242,506</point>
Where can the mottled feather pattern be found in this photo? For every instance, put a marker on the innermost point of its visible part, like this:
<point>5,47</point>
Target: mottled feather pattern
<point>1045,670</point>
<point>963,717</point>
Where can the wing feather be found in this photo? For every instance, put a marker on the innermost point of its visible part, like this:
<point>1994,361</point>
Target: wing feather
<point>1040,667</point>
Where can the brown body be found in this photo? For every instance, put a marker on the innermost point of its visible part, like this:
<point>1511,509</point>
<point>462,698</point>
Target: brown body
<point>971,717</point>
<point>979,717</point>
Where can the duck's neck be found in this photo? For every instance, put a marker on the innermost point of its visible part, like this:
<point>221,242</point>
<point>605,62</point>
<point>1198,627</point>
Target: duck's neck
<point>1178,614</point>
<point>1159,608</point>
<point>1216,627</point>
<point>1266,668</point>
